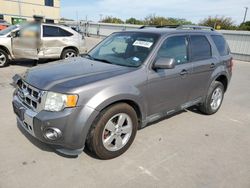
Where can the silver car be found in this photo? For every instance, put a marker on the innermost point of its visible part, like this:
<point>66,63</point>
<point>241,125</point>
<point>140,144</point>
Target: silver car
<point>39,41</point>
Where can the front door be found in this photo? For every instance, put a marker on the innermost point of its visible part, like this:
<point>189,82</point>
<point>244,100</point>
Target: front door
<point>169,89</point>
<point>25,42</point>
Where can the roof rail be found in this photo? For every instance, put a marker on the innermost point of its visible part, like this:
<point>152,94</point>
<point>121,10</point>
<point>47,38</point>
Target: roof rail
<point>191,27</point>
<point>195,27</point>
<point>159,26</point>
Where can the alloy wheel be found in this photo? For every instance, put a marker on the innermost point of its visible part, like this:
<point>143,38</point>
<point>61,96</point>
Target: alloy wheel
<point>3,59</point>
<point>70,54</point>
<point>216,98</point>
<point>117,132</point>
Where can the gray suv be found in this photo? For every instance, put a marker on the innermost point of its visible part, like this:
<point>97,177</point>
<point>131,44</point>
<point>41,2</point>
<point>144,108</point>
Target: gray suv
<point>128,80</point>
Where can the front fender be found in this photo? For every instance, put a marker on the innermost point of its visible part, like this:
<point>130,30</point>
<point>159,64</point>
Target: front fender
<point>114,94</point>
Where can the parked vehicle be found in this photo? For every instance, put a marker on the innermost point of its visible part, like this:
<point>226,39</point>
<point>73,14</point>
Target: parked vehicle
<point>39,41</point>
<point>128,80</point>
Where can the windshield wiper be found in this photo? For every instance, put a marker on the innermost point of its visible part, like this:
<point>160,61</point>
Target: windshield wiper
<point>89,56</point>
<point>102,60</point>
<point>96,59</point>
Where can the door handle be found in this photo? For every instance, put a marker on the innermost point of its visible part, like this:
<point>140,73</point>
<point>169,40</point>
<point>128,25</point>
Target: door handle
<point>183,72</point>
<point>212,65</point>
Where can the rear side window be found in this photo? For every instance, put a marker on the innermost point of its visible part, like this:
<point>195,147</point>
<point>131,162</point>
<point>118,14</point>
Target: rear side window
<point>221,44</point>
<point>200,48</point>
<point>52,31</point>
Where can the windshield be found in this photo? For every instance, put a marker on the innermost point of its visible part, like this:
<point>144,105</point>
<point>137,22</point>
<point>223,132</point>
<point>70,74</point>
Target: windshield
<point>8,29</point>
<point>127,49</point>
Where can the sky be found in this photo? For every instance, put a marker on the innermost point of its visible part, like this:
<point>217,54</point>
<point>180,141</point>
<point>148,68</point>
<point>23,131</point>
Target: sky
<point>193,10</point>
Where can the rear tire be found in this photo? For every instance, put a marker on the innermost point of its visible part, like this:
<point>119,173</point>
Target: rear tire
<point>68,53</point>
<point>113,132</point>
<point>4,59</point>
<point>213,99</point>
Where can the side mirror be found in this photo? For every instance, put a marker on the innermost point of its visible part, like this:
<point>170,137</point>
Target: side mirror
<point>164,63</point>
<point>13,34</point>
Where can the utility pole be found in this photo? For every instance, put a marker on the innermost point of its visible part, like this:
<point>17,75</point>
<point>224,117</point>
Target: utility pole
<point>77,17</point>
<point>19,8</point>
<point>244,19</point>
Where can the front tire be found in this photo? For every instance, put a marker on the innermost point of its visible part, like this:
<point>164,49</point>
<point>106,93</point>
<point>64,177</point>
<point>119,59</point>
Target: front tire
<point>4,59</point>
<point>213,99</point>
<point>113,132</point>
<point>68,53</point>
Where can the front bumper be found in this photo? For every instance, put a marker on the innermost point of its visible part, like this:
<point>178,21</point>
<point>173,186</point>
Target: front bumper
<point>70,122</point>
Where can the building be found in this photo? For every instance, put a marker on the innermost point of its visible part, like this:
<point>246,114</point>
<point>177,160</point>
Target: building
<point>16,11</point>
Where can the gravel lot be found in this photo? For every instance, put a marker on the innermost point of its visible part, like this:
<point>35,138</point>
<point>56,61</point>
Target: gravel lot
<point>188,150</point>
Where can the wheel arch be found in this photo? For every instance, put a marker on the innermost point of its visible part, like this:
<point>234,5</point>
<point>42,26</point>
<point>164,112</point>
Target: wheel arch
<point>70,47</point>
<point>5,49</point>
<point>223,79</point>
<point>91,121</point>
<point>131,103</point>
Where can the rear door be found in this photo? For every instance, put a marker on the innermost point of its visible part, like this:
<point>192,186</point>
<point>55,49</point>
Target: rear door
<point>223,50</point>
<point>203,65</point>
<point>54,39</point>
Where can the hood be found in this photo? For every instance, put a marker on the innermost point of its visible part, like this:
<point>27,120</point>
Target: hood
<point>71,73</point>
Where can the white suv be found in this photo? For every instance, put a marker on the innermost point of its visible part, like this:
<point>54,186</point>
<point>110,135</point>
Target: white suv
<point>39,41</point>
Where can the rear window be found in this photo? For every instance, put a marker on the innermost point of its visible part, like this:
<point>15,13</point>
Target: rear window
<point>52,31</point>
<point>221,44</point>
<point>200,48</point>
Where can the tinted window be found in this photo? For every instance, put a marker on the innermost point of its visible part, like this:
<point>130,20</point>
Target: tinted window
<point>174,47</point>
<point>51,31</point>
<point>221,44</point>
<point>49,3</point>
<point>1,17</point>
<point>200,48</point>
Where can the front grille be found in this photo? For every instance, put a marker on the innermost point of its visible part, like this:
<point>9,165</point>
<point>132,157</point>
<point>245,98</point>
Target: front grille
<point>29,95</point>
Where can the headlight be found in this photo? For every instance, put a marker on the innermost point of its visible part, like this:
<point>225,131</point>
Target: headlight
<point>57,102</point>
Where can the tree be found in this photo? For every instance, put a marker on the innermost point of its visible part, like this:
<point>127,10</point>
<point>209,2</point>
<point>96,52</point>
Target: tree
<point>245,26</point>
<point>219,22</point>
<point>134,21</point>
<point>159,20</point>
<point>110,19</point>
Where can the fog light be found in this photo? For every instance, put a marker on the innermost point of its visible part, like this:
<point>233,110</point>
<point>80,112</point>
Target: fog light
<point>52,133</point>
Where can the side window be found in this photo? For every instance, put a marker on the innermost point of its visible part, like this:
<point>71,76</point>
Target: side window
<point>220,44</point>
<point>176,48</point>
<point>31,31</point>
<point>52,31</point>
<point>64,33</point>
<point>200,48</point>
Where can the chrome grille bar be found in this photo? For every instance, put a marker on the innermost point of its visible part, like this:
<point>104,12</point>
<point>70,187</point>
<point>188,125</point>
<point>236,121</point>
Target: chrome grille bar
<point>30,96</point>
